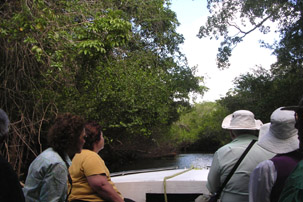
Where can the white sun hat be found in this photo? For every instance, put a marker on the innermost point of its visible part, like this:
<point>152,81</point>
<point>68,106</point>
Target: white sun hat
<point>263,130</point>
<point>282,136</point>
<point>241,120</point>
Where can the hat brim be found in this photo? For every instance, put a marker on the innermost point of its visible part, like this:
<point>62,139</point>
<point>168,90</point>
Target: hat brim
<point>296,107</point>
<point>279,146</point>
<point>263,130</point>
<point>291,108</point>
<point>226,124</point>
<point>226,121</point>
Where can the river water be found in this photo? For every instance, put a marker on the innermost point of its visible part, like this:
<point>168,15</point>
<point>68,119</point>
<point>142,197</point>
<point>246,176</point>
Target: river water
<point>197,160</point>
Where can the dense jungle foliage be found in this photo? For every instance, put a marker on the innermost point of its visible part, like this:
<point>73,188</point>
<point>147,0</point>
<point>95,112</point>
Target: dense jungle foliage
<point>199,128</point>
<point>119,63</point>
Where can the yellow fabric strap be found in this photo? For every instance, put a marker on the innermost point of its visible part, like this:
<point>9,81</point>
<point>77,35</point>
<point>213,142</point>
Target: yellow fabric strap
<point>168,177</point>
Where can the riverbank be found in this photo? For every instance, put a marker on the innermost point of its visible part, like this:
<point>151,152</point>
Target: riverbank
<point>122,154</point>
<point>117,158</point>
<point>181,160</point>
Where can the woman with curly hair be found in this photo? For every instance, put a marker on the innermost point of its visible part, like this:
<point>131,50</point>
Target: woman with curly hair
<point>48,173</point>
<point>90,176</point>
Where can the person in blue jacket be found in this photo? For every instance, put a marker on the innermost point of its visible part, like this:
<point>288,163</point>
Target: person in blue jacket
<point>48,177</point>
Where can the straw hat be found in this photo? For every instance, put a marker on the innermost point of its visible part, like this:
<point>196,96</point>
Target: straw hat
<point>241,120</point>
<point>281,137</point>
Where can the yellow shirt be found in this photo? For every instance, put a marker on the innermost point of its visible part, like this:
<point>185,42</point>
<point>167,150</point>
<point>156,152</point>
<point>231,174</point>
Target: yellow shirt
<point>87,163</point>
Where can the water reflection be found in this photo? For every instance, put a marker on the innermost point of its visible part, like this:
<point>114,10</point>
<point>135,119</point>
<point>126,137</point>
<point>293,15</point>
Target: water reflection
<point>197,160</point>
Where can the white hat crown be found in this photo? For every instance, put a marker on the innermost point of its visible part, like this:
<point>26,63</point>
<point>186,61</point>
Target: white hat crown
<point>241,120</point>
<point>282,124</point>
<point>281,136</point>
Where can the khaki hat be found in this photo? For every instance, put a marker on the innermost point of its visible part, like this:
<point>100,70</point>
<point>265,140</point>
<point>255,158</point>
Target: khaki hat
<point>282,136</point>
<point>241,120</point>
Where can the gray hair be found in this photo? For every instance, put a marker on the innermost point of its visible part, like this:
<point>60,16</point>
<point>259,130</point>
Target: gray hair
<point>4,123</point>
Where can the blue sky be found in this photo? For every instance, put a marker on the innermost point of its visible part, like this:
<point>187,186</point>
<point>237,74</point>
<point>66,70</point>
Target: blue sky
<point>202,52</point>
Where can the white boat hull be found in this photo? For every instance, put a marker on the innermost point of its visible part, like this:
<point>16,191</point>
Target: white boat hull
<point>182,181</point>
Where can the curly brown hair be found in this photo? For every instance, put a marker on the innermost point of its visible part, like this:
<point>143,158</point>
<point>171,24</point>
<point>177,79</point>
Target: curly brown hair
<point>92,131</point>
<point>65,131</point>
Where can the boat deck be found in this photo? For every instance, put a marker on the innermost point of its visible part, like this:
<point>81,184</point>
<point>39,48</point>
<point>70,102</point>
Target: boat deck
<point>178,181</point>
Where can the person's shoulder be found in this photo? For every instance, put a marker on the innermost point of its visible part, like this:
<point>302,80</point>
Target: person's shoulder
<point>49,156</point>
<point>265,165</point>
<point>226,147</point>
<point>86,153</point>
<point>223,151</point>
<point>264,152</point>
<point>49,153</point>
<point>87,157</point>
<point>234,147</point>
